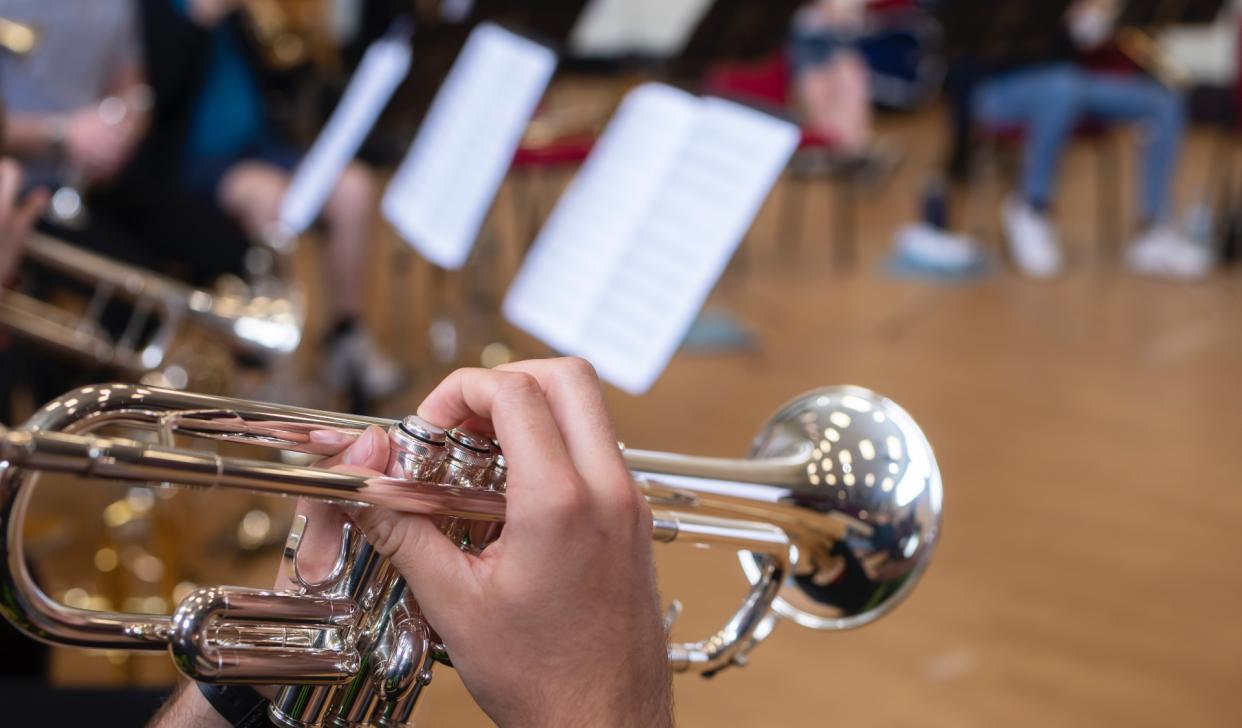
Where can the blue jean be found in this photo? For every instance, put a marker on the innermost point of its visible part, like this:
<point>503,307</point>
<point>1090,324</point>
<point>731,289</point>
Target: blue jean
<point>1049,101</point>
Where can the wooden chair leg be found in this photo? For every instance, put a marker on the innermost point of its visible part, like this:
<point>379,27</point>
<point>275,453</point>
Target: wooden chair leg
<point>1109,223</point>
<point>845,223</point>
<point>789,231</point>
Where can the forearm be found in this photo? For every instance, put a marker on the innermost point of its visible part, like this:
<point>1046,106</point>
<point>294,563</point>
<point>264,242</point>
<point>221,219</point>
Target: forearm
<point>131,85</point>
<point>207,13</point>
<point>187,707</point>
<point>31,136</point>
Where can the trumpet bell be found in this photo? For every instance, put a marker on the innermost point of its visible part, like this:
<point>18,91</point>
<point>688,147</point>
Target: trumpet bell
<point>867,510</point>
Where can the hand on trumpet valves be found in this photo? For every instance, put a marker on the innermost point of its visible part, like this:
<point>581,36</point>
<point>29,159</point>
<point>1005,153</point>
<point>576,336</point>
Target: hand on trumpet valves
<point>557,622</point>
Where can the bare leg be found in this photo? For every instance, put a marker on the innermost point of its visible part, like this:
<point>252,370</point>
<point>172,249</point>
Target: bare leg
<point>837,102</point>
<point>252,191</point>
<point>350,216</point>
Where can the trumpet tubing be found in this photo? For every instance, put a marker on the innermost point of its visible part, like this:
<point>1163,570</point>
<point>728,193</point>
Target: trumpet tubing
<point>834,516</point>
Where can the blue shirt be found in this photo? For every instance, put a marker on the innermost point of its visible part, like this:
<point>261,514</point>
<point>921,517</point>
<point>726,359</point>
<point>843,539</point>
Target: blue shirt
<point>228,115</point>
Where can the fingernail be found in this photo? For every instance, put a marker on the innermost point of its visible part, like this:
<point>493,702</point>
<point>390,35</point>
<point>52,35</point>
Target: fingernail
<point>360,452</point>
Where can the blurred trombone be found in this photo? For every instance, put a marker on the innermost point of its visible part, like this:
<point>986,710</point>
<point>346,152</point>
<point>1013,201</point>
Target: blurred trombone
<point>264,325</point>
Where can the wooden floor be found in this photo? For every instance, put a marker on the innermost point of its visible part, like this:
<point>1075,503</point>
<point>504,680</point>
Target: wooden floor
<point>1088,430</point>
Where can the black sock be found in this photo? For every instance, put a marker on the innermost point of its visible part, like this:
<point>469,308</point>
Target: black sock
<point>342,327</point>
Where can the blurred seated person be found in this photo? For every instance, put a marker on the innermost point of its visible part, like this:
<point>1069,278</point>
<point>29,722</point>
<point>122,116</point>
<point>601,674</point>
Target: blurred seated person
<point>830,76</point>
<point>77,115</point>
<point>26,658</point>
<point>78,109</point>
<point>17,215</point>
<point>1046,97</point>
<point>832,86</point>
<point>227,153</point>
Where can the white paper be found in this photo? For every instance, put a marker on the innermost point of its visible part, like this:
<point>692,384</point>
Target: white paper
<point>441,193</point>
<point>659,28</point>
<point>381,71</point>
<point>640,238</point>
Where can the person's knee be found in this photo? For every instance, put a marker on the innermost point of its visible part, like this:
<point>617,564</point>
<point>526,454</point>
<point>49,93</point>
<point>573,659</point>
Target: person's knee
<point>1060,93</point>
<point>252,193</point>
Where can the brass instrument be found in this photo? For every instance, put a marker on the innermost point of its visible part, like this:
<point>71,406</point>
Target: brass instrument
<point>1144,50</point>
<point>282,48</point>
<point>290,34</point>
<point>834,515</point>
<point>260,325</point>
<point>17,38</point>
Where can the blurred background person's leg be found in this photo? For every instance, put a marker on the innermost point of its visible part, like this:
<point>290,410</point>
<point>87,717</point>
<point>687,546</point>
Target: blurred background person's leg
<point>1159,113</point>
<point>1043,104</point>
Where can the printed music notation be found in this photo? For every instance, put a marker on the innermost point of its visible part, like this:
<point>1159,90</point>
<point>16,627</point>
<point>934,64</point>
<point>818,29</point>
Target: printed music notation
<point>643,233</point>
<point>441,193</point>
<point>381,71</point>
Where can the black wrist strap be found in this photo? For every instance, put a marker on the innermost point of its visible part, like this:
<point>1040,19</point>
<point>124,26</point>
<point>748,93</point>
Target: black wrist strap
<point>240,705</point>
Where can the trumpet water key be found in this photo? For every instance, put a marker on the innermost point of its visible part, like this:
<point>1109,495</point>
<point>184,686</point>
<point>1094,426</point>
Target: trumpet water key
<point>834,515</point>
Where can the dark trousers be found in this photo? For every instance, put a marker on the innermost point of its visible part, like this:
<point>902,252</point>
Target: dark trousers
<point>156,226</point>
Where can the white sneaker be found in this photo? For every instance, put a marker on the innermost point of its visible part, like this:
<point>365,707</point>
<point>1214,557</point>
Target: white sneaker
<point>929,246</point>
<point>1162,252</point>
<point>354,358</point>
<point>1032,241</point>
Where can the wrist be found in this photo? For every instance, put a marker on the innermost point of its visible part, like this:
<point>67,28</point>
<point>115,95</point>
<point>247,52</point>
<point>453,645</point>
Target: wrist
<point>188,707</point>
<point>209,14</point>
<point>55,131</point>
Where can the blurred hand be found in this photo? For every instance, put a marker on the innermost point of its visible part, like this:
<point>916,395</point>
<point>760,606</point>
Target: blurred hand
<point>98,147</point>
<point>15,218</point>
<point>210,12</point>
<point>558,622</point>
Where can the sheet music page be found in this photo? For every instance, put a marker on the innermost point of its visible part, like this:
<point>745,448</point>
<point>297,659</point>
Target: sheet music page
<point>381,71</point>
<point>563,277</point>
<point>640,239</point>
<point>659,28</point>
<point>441,193</point>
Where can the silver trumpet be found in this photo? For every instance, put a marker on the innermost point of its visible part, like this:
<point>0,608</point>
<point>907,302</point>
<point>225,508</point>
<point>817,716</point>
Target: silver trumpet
<point>834,515</point>
<point>261,325</point>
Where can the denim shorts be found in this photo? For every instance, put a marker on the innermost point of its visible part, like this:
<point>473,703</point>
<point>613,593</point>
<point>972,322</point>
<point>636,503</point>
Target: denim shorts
<point>808,49</point>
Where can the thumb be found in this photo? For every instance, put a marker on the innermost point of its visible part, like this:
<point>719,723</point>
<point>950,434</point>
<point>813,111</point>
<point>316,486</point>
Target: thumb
<point>369,451</point>
<point>436,569</point>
